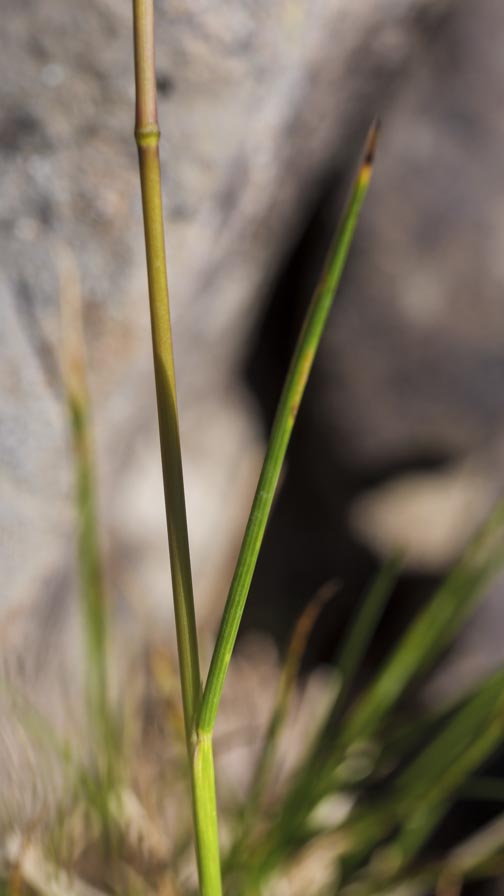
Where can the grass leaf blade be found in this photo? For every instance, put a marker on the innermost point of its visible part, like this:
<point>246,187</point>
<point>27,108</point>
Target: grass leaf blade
<point>282,427</point>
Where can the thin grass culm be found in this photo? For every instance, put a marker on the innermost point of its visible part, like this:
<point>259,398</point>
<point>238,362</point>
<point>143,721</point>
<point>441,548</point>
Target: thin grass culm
<point>200,754</point>
<point>94,604</point>
<point>200,709</point>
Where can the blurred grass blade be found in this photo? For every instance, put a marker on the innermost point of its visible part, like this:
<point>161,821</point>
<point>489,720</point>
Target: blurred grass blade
<point>354,649</point>
<point>265,763</point>
<point>290,671</point>
<point>357,641</point>
<point>399,742</point>
<point>290,399</point>
<point>477,849</point>
<point>94,604</point>
<point>423,643</point>
<point>474,858</point>
<point>364,627</point>
<point>31,867</point>
<point>423,793</point>
<point>432,631</point>
<point>462,746</point>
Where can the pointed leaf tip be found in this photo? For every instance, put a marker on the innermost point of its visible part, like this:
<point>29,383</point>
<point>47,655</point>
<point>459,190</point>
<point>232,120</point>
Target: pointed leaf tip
<point>371,143</point>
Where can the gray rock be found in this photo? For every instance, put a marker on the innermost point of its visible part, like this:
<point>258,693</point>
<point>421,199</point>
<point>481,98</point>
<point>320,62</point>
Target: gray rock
<point>260,103</point>
<point>243,87</point>
<point>400,439</point>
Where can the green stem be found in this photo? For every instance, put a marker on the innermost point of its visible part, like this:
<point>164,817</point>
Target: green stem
<point>199,749</point>
<point>282,427</point>
<point>147,138</point>
<point>205,817</point>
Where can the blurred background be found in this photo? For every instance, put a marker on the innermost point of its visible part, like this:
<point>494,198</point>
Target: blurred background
<point>263,110</point>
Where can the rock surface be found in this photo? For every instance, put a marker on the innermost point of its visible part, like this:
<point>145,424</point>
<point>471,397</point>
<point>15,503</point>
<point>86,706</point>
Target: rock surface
<point>255,106</point>
<point>400,443</point>
<point>262,109</point>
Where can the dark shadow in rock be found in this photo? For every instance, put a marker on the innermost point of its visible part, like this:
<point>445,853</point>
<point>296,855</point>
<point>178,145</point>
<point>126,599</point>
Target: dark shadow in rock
<point>21,131</point>
<point>308,541</point>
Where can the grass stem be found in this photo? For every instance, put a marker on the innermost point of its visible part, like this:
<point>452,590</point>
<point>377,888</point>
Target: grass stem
<point>147,137</point>
<point>280,435</point>
<point>199,749</point>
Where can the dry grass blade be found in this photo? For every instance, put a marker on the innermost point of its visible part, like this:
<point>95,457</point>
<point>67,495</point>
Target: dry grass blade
<point>265,763</point>
<point>29,863</point>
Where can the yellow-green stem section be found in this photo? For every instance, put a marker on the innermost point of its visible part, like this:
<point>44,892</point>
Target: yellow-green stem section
<point>147,138</point>
<point>202,776</point>
<point>199,751</point>
<point>168,423</point>
<point>205,817</point>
